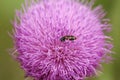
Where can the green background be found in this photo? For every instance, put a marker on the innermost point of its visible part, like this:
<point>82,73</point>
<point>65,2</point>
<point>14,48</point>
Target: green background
<point>10,69</point>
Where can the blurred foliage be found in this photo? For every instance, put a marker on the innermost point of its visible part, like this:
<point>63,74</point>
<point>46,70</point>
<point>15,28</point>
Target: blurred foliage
<point>10,69</point>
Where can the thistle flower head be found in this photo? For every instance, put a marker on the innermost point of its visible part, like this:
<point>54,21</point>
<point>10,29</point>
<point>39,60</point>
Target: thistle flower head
<point>61,39</point>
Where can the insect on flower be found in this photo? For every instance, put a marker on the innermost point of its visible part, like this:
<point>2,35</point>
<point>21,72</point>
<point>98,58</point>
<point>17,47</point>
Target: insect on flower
<point>42,25</point>
<point>68,37</point>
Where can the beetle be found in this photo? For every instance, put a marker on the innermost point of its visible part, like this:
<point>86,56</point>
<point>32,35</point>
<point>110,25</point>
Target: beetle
<point>68,37</point>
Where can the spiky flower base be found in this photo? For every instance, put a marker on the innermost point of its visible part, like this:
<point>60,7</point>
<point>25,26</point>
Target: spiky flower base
<point>61,39</point>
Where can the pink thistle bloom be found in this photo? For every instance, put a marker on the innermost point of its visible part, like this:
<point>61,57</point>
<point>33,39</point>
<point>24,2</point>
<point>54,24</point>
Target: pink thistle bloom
<point>61,39</point>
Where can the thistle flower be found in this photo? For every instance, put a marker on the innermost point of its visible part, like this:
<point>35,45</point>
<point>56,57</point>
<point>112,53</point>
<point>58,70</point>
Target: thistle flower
<point>61,39</point>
